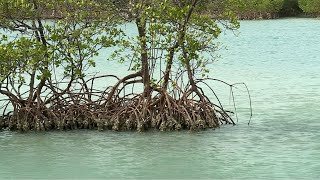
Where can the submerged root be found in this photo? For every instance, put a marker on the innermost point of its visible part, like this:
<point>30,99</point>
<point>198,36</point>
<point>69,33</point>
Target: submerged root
<point>127,115</point>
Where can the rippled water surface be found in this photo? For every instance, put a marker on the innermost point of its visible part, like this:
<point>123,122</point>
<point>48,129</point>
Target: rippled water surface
<point>279,60</point>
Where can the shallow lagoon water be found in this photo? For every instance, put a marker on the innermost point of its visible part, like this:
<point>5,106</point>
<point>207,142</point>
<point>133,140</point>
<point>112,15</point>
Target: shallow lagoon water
<point>279,60</point>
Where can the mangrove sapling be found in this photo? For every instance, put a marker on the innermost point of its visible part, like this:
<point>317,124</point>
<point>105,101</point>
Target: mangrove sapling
<point>180,31</point>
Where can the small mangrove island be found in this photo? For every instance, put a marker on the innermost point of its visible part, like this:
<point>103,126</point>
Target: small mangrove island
<point>44,67</point>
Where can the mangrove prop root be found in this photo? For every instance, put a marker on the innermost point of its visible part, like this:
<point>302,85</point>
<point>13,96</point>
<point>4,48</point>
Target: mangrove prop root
<point>108,110</point>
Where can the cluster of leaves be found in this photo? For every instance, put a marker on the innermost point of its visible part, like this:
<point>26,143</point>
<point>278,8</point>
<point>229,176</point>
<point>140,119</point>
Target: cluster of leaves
<point>21,56</point>
<point>74,45</point>
<point>310,6</point>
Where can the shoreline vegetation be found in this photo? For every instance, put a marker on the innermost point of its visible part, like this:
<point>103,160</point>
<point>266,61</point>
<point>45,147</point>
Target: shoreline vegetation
<point>274,9</point>
<point>44,69</point>
<point>242,9</point>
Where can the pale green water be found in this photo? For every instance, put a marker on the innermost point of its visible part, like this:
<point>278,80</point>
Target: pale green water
<point>280,62</point>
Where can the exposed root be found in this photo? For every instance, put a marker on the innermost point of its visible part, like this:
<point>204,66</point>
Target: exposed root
<point>74,110</point>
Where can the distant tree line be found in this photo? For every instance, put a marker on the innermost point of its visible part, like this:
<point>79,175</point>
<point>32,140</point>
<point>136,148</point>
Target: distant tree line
<point>311,7</point>
<point>269,9</point>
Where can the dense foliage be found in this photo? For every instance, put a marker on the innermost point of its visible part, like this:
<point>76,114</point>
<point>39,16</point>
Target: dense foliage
<point>252,9</point>
<point>266,9</point>
<point>310,6</point>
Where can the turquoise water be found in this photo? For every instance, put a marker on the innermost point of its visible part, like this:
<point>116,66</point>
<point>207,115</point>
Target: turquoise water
<point>279,60</point>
